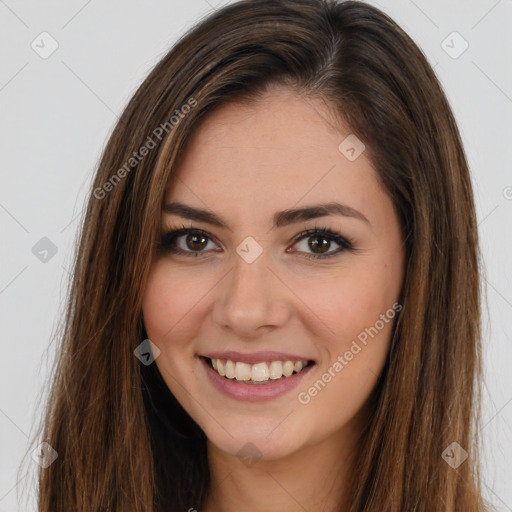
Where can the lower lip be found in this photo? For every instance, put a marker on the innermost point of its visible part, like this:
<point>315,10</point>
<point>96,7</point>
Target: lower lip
<point>253,392</point>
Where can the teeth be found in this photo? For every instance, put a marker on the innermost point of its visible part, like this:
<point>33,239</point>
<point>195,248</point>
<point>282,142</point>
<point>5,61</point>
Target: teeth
<point>275,370</point>
<point>259,372</point>
<point>230,369</point>
<point>243,371</point>
<point>288,368</point>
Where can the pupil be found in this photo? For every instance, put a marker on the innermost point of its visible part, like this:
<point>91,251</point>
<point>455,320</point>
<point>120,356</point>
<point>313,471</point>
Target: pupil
<point>324,245</point>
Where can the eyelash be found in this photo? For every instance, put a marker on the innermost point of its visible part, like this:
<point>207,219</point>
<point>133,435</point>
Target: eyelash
<point>168,240</point>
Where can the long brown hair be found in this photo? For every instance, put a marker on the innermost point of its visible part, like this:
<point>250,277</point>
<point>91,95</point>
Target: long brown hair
<point>124,442</point>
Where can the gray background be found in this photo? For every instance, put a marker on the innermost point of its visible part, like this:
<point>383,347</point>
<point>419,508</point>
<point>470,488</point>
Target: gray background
<point>56,115</point>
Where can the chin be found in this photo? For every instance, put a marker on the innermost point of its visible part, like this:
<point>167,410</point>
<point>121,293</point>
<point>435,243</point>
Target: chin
<point>258,440</point>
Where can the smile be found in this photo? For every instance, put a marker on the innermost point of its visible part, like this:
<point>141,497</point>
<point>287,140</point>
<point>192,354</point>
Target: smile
<point>259,373</point>
<point>254,380</point>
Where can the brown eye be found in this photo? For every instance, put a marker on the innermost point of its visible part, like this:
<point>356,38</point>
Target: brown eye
<point>319,244</point>
<point>188,242</point>
<point>196,242</point>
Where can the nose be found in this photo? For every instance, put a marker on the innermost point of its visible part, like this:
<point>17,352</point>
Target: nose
<point>251,299</point>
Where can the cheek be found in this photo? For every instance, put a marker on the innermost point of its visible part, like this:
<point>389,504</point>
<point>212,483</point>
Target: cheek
<point>170,310</point>
<point>346,303</point>
<point>170,300</point>
<point>157,297</point>
<point>357,307</point>
<point>359,310</point>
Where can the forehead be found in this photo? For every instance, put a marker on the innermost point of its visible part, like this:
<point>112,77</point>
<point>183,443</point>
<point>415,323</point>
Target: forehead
<point>278,150</point>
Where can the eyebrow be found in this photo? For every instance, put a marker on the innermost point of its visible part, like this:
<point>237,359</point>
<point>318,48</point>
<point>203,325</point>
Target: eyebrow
<point>280,219</point>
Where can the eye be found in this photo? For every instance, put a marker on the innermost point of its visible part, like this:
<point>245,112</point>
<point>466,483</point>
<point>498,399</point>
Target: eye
<point>316,243</point>
<point>185,241</point>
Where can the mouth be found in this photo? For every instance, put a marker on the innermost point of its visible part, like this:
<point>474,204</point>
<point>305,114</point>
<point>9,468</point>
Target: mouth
<point>261,373</point>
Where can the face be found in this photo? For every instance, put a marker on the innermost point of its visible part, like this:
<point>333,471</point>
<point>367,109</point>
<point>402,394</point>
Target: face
<point>264,279</point>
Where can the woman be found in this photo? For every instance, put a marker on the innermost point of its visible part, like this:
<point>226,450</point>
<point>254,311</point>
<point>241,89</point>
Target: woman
<point>275,301</point>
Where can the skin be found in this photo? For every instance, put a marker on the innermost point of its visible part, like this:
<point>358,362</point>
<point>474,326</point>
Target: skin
<point>246,162</point>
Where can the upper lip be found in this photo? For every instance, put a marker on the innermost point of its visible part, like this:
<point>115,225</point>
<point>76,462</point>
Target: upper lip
<point>255,357</point>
